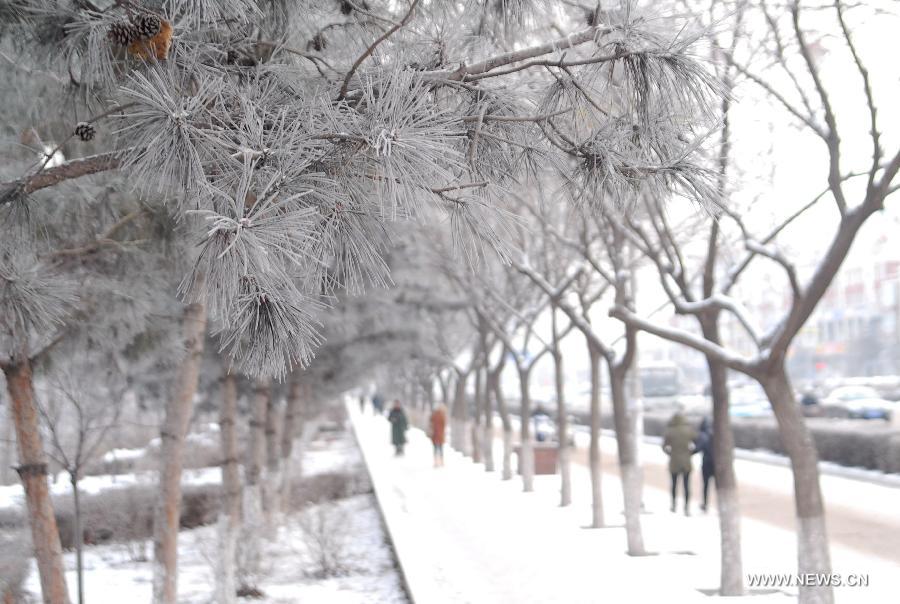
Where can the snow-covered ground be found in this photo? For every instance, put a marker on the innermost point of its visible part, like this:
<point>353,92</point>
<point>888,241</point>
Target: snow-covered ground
<point>114,576</point>
<point>463,535</point>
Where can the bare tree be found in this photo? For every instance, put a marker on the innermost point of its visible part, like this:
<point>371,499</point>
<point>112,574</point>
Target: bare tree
<point>525,361</point>
<point>252,508</point>
<point>8,442</point>
<point>166,520</point>
<point>495,390</point>
<point>625,415</point>
<point>78,419</point>
<point>807,98</point>
<point>230,517</point>
<point>289,430</point>
<point>32,470</point>
<point>272,480</point>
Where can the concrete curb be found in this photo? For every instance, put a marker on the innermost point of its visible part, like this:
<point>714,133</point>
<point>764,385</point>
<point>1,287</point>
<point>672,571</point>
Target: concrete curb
<point>379,499</point>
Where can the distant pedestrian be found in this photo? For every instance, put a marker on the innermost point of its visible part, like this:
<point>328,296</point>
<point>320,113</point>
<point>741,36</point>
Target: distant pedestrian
<point>362,403</point>
<point>378,403</point>
<point>678,444</point>
<point>543,425</point>
<point>704,446</point>
<point>437,427</point>
<point>399,424</point>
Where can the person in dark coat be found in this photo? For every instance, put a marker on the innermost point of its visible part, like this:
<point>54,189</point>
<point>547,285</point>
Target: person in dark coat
<point>399,424</point>
<point>678,443</point>
<point>541,423</point>
<point>378,404</point>
<point>704,446</point>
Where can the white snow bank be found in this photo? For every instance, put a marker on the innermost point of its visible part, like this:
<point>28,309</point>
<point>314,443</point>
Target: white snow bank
<point>115,455</point>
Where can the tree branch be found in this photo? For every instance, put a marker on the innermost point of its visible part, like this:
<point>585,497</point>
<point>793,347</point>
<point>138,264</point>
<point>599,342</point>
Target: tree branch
<point>373,46</point>
<point>686,338</point>
<point>72,169</point>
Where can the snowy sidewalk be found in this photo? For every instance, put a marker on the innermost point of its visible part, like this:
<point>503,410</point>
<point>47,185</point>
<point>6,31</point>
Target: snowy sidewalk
<point>464,536</point>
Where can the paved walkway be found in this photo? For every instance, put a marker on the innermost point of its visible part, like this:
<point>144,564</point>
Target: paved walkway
<point>861,515</point>
<point>464,536</point>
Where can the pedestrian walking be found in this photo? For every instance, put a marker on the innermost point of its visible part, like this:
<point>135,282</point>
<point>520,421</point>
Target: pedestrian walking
<point>437,427</point>
<point>378,404</point>
<point>678,443</point>
<point>704,446</point>
<point>399,424</point>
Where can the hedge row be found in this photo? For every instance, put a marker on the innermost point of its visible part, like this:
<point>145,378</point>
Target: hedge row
<point>868,444</point>
<point>126,514</point>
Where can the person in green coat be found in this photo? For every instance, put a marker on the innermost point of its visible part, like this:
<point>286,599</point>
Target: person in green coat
<point>399,424</point>
<point>678,443</point>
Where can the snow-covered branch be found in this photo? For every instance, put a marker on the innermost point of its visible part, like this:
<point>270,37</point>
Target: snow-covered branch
<point>686,338</point>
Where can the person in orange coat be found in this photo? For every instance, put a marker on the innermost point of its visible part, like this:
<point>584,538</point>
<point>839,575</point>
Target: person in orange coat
<point>437,426</point>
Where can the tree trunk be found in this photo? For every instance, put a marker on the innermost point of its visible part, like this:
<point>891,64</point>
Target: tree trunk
<point>410,404</point>
<point>460,412</point>
<point>488,438</point>
<point>167,513</point>
<point>813,554</point>
<point>251,542</point>
<point>445,391</point>
<point>526,446</point>
<point>629,469</point>
<point>272,480</point>
<point>732,570</point>
<point>78,536</point>
<point>497,390</point>
<point>562,422</point>
<point>230,516</point>
<point>8,443</point>
<point>33,472</point>
<point>288,433</point>
<point>594,460</point>
<point>476,425</point>
<point>428,386</point>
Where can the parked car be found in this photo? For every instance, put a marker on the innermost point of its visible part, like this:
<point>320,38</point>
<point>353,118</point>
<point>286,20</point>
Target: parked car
<point>749,401</point>
<point>545,430</point>
<point>862,402</point>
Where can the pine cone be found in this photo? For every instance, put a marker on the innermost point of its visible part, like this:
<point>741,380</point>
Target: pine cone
<point>318,43</point>
<point>347,7</point>
<point>146,25</point>
<point>157,46</point>
<point>121,33</point>
<point>85,131</point>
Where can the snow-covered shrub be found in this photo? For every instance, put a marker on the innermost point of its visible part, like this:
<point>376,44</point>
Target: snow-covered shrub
<point>326,533</point>
<point>125,515</point>
<point>14,566</point>
<point>320,488</point>
<point>252,570</point>
<point>328,486</point>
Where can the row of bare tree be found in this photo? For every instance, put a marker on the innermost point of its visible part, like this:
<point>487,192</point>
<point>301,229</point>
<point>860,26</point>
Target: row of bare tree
<point>577,257</point>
